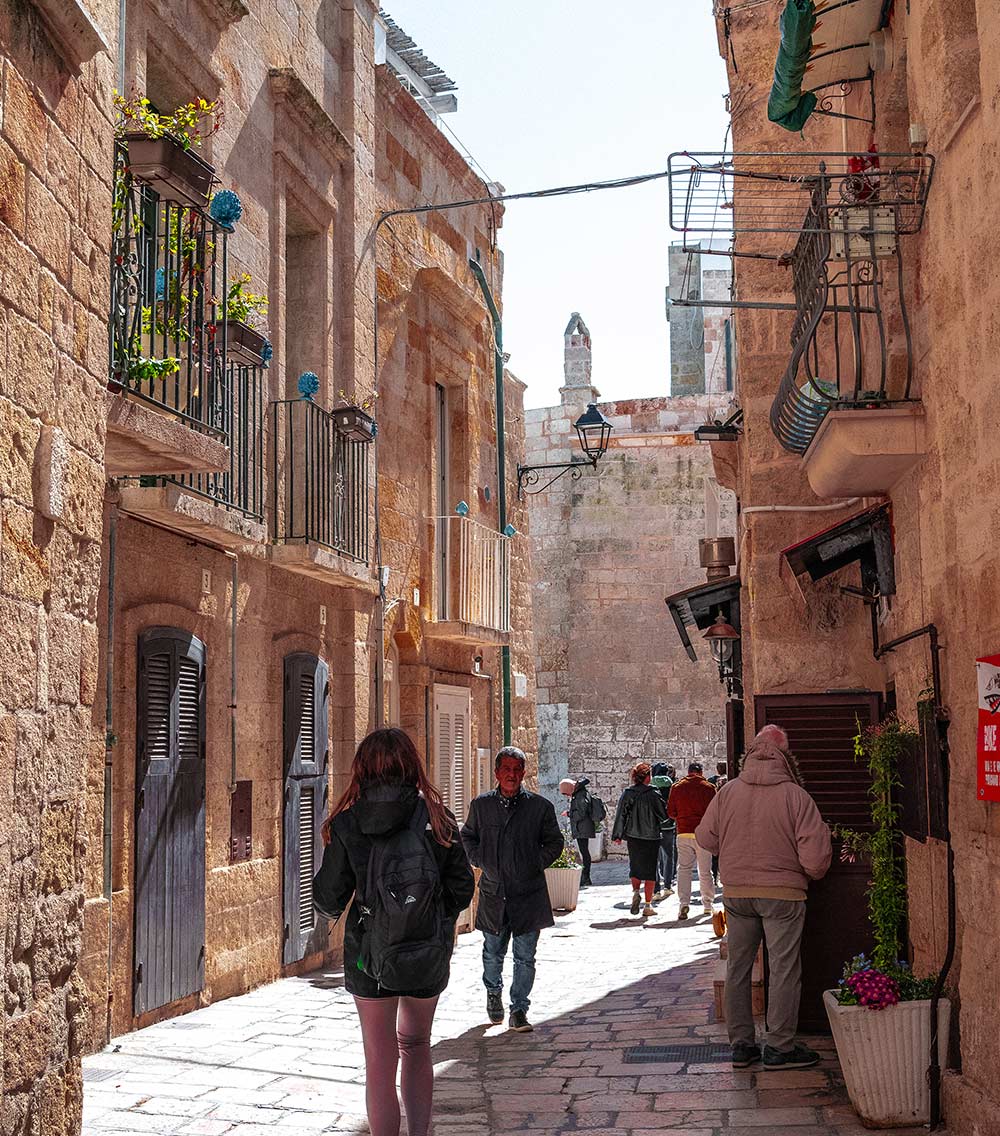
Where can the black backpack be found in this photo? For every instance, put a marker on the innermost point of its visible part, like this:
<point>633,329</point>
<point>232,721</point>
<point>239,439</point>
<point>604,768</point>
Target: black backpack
<point>597,809</point>
<point>405,945</point>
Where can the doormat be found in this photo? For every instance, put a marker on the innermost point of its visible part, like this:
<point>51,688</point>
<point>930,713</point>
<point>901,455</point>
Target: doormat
<point>686,1054</point>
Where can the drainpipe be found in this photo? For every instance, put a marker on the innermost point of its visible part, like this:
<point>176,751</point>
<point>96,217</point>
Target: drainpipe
<point>233,673</point>
<point>477,271</point>
<point>109,752</point>
<point>942,722</point>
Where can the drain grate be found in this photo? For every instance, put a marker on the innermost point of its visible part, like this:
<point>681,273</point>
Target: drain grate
<point>100,1074</point>
<point>687,1054</point>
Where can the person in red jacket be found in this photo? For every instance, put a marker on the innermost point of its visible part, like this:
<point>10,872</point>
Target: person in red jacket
<point>688,802</point>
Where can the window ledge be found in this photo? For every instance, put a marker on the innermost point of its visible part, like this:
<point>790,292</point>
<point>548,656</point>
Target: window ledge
<point>73,30</point>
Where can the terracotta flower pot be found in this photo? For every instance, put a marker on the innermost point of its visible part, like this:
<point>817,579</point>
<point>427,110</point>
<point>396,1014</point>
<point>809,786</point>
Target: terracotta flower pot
<point>244,344</point>
<point>564,887</point>
<point>884,1055</point>
<point>175,173</point>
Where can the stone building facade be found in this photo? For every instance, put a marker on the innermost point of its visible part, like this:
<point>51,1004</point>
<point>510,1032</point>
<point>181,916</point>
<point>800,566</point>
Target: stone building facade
<point>202,567</point>
<point>922,463</point>
<point>55,192</point>
<point>614,685</point>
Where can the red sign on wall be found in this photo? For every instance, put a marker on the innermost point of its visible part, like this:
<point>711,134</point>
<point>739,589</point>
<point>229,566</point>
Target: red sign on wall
<point>988,740</point>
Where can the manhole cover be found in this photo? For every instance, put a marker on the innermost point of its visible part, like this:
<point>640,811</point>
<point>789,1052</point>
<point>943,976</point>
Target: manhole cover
<point>686,1054</point>
<point>100,1074</point>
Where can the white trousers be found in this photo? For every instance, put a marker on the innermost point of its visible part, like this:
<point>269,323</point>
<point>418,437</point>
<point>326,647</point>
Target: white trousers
<point>689,850</point>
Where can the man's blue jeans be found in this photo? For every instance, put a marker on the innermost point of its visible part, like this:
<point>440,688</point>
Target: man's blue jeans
<point>666,867</point>
<point>495,951</point>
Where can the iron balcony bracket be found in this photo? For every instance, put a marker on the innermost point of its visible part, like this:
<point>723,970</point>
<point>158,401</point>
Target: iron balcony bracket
<point>530,475</point>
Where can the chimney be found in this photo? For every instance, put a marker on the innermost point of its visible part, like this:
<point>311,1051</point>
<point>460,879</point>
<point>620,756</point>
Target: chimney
<point>578,390</point>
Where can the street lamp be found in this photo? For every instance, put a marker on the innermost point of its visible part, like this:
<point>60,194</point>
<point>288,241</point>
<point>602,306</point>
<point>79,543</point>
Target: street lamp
<point>722,639</point>
<point>594,433</point>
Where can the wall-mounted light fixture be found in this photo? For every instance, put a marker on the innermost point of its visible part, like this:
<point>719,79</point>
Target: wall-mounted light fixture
<point>594,433</point>
<point>722,639</point>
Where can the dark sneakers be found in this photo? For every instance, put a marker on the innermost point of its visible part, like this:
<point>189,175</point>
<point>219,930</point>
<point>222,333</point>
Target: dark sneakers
<point>519,1022</point>
<point>494,1006</point>
<point>745,1054</point>
<point>798,1057</point>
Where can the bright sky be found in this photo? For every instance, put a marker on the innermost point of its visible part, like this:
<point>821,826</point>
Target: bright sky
<point>554,92</point>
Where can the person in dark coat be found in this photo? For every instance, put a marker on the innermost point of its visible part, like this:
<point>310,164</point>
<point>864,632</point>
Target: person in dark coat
<point>582,824</point>
<point>639,820</point>
<point>388,784</point>
<point>513,836</point>
<point>666,864</point>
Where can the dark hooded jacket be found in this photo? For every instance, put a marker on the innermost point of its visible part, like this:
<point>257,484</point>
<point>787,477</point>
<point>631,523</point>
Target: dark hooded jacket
<point>379,811</point>
<point>581,812</point>
<point>640,814</point>
<point>513,843</point>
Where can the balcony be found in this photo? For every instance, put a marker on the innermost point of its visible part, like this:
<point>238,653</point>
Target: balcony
<point>473,586</point>
<point>846,402</point>
<point>321,498</point>
<point>170,408</point>
<point>227,506</point>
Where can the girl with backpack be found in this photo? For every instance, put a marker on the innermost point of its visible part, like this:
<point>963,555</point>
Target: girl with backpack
<point>393,846</point>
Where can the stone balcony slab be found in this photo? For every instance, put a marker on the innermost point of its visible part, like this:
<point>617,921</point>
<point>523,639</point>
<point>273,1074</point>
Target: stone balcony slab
<point>471,634</point>
<point>180,510</point>
<point>145,441</point>
<point>865,452</point>
<point>324,564</point>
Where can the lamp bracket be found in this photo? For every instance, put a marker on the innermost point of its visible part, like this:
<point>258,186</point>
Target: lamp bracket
<point>530,475</point>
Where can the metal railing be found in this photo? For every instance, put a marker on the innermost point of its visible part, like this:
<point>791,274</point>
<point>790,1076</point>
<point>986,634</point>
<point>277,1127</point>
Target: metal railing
<point>477,562</point>
<point>320,480</point>
<point>166,331</point>
<point>241,486</point>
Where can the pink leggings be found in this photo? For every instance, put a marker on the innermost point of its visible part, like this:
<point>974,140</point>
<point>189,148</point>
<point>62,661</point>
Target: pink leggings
<point>394,1030</point>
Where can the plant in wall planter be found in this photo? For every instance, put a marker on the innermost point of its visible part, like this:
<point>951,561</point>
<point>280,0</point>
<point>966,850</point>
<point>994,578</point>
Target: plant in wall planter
<point>354,420</point>
<point>563,879</point>
<point>880,1014</point>
<point>245,342</point>
<point>161,147</point>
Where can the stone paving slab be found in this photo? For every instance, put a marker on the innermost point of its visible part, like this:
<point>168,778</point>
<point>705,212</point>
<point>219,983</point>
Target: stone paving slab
<point>288,1057</point>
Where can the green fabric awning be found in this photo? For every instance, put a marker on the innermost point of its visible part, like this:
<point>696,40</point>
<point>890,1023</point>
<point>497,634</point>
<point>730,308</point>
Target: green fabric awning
<point>787,104</point>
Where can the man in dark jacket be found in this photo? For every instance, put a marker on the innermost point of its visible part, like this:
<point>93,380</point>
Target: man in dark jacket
<point>688,803</point>
<point>513,836</point>
<point>666,865</point>
<point>583,820</point>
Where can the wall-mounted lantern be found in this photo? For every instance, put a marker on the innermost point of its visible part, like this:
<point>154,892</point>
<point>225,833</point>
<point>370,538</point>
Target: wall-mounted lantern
<point>722,639</point>
<point>594,433</point>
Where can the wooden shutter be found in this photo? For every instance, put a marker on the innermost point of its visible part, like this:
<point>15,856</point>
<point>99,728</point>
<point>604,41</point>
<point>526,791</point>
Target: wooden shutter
<point>821,730</point>
<point>169,886</point>
<point>453,754</point>
<point>306,724</point>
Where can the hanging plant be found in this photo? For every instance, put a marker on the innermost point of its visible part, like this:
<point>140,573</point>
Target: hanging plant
<point>189,125</point>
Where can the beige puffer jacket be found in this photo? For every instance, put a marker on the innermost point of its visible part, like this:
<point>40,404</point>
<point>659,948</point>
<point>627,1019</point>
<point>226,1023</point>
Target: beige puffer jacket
<point>765,828</point>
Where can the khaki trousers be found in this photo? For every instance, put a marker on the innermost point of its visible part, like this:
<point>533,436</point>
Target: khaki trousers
<point>779,923</point>
<point>689,850</point>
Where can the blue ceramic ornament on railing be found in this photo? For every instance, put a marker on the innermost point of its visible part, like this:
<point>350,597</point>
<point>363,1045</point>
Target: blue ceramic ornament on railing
<point>266,353</point>
<point>226,209</point>
<point>462,509</point>
<point>308,385</point>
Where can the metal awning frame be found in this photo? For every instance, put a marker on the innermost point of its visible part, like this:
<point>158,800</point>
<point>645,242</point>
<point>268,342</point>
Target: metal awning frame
<point>697,608</point>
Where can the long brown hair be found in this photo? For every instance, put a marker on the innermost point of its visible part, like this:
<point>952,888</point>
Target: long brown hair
<point>389,757</point>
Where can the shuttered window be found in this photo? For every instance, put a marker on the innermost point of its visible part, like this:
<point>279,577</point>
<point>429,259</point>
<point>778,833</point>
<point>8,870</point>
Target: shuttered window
<point>453,762</point>
<point>169,884</point>
<point>306,711</point>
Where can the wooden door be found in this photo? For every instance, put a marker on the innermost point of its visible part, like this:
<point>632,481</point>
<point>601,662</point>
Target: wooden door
<point>452,748</point>
<point>169,886</point>
<point>821,730</point>
<point>306,798</point>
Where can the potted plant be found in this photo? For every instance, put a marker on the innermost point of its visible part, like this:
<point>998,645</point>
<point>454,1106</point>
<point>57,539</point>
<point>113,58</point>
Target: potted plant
<point>563,879</point>
<point>353,420</point>
<point>244,342</point>
<point>880,1014</point>
<point>161,147</point>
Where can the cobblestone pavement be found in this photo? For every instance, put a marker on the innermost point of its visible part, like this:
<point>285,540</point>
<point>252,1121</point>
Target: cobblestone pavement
<point>287,1057</point>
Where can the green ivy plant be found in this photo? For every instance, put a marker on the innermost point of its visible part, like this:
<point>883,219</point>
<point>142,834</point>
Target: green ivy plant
<point>141,369</point>
<point>189,125</point>
<point>242,305</point>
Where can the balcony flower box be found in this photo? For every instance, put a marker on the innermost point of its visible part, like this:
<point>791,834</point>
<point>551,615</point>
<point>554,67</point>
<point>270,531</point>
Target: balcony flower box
<point>176,174</point>
<point>245,344</point>
<point>355,423</point>
<point>884,1055</point>
<point>564,887</point>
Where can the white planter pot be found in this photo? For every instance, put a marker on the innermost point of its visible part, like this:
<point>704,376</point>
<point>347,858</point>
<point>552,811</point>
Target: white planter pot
<point>597,847</point>
<point>564,887</point>
<point>884,1055</point>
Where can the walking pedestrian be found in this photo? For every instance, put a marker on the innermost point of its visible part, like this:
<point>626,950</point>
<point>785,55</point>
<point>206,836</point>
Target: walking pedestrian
<point>771,841</point>
<point>688,803</point>
<point>666,861</point>
<point>513,836</point>
<point>638,819</point>
<point>390,826</point>
<point>585,813</point>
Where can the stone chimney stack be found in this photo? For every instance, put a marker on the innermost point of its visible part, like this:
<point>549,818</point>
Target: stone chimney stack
<point>578,388</point>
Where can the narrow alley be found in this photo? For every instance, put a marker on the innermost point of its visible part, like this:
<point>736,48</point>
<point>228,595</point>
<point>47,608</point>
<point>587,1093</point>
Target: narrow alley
<point>287,1057</point>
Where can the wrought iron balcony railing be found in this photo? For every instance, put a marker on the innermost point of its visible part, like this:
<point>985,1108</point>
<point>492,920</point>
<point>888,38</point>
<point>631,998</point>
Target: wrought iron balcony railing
<point>241,486</point>
<point>168,280</point>
<point>474,562</point>
<point>320,481</point>
<point>851,339</point>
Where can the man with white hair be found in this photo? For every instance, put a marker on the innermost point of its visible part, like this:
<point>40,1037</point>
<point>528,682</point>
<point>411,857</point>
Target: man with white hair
<point>771,841</point>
